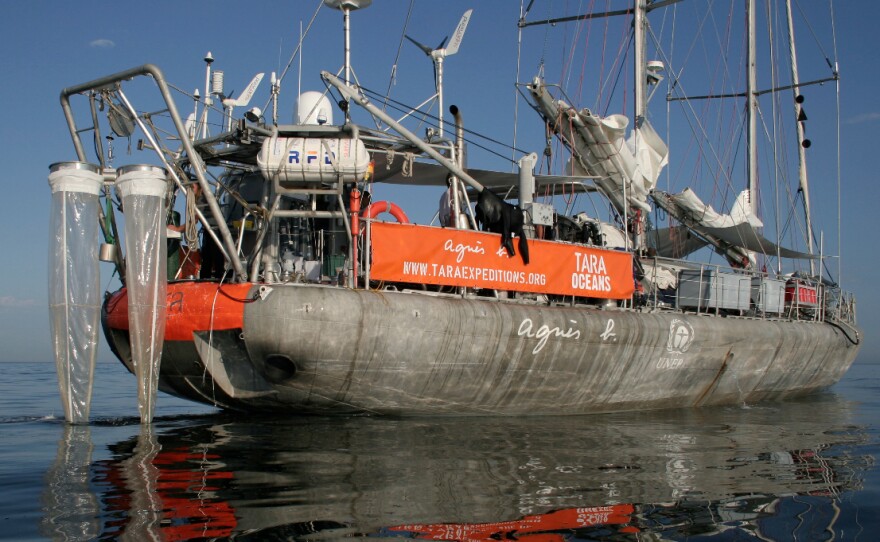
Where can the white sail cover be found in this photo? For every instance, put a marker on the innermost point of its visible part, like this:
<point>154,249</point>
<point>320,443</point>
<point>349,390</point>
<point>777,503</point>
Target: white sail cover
<point>75,283</point>
<point>626,169</point>
<point>142,190</point>
<point>739,231</point>
<point>703,213</point>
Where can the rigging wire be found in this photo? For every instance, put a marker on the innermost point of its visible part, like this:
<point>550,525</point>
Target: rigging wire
<point>780,157</point>
<point>519,38</point>
<point>586,51</point>
<point>403,108</point>
<point>603,56</point>
<point>566,53</point>
<point>697,33</point>
<point>296,50</point>
<point>669,81</point>
<point>697,127</point>
<point>722,68</point>
<point>620,70</point>
<point>831,65</point>
<point>568,63</point>
<point>837,88</point>
<point>393,75</point>
<point>774,115</point>
<point>779,167</point>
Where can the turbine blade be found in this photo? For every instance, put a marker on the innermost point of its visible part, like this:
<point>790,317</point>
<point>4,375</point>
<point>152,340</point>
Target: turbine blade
<point>424,48</point>
<point>249,91</point>
<point>458,35</point>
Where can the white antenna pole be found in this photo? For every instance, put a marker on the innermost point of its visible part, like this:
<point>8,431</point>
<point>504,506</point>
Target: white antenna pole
<point>346,6</point>
<point>438,62</point>
<point>276,88</point>
<point>346,25</point>
<point>208,101</point>
<point>194,130</point>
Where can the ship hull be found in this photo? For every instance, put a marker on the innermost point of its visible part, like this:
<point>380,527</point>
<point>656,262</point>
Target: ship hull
<point>327,350</point>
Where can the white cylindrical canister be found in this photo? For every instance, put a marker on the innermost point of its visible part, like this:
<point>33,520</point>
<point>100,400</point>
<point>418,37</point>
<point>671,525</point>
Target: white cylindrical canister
<point>142,189</point>
<point>74,282</point>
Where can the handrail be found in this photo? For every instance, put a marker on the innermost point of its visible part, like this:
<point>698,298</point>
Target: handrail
<point>707,293</point>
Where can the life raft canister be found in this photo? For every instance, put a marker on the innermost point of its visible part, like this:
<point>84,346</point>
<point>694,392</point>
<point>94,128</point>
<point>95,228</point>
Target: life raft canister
<point>374,209</point>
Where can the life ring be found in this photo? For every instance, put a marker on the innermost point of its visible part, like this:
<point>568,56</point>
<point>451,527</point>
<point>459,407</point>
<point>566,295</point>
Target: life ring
<point>378,207</point>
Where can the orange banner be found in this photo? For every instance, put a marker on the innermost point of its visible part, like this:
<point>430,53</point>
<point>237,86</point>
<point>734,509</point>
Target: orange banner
<point>450,257</point>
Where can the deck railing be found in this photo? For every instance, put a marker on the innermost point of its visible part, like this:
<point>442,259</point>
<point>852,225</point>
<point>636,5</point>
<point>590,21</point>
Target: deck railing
<point>716,289</point>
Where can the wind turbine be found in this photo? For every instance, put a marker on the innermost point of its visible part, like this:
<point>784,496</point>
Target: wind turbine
<point>437,55</point>
<point>229,103</point>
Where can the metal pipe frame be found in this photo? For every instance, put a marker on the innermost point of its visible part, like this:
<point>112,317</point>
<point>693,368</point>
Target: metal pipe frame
<point>194,158</point>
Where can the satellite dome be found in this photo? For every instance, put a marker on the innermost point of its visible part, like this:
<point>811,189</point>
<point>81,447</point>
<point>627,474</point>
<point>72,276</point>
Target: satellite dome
<point>313,108</point>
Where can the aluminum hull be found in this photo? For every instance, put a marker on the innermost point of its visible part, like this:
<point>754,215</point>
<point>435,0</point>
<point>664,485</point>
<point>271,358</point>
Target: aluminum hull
<point>318,349</point>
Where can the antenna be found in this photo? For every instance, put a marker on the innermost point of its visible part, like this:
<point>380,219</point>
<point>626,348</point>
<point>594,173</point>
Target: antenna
<point>346,7</point>
<point>209,59</point>
<point>276,89</point>
<point>437,55</point>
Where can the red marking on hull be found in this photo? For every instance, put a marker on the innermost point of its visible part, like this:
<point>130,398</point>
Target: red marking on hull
<point>531,528</point>
<point>190,306</point>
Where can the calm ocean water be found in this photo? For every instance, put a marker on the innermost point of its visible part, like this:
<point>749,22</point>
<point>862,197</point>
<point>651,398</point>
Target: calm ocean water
<point>801,470</point>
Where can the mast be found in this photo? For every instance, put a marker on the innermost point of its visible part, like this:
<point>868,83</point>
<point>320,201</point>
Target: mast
<point>640,99</point>
<point>752,110</point>
<point>639,62</point>
<point>802,158</point>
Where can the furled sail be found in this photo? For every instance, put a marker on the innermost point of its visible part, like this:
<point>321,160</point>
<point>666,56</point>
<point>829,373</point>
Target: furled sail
<point>626,169</point>
<point>735,234</point>
<point>750,238</point>
<point>703,214</point>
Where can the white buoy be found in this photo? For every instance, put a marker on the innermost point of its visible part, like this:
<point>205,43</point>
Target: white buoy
<point>142,189</point>
<point>74,282</point>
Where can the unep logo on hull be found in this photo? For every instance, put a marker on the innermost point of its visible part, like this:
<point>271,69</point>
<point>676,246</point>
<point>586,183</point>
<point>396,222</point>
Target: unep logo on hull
<point>681,336</point>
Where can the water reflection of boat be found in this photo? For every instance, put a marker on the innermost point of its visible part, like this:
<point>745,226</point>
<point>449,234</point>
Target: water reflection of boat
<point>674,473</point>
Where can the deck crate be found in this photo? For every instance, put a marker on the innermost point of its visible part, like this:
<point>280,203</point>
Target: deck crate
<point>768,295</point>
<point>709,289</point>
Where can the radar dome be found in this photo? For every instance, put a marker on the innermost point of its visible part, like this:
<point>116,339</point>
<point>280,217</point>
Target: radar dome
<point>313,108</point>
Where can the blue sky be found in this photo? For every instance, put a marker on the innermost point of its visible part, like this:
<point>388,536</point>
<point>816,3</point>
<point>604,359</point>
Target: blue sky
<point>51,45</point>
